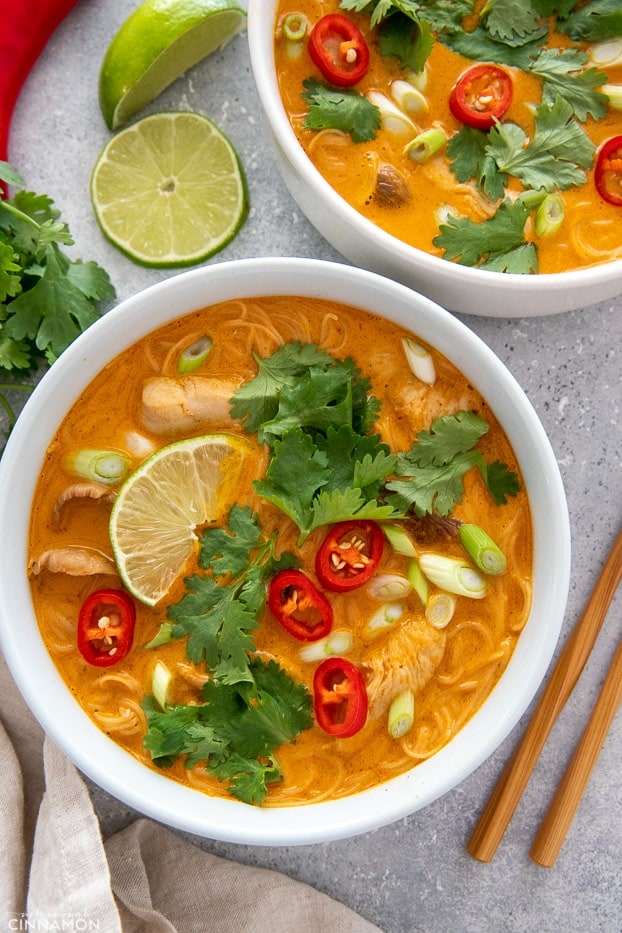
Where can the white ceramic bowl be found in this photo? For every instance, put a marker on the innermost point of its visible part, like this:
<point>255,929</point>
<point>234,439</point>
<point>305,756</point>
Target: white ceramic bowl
<point>156,795</point>
<point>459,288</point>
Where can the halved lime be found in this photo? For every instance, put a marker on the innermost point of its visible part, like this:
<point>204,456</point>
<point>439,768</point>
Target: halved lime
<point>156,44</point>
<point>169,190</point>
<point>153,519</point>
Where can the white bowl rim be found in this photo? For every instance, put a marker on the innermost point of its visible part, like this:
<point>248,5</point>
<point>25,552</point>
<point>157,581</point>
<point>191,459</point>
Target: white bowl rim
<point>118,772</point>
<point>609,274</point>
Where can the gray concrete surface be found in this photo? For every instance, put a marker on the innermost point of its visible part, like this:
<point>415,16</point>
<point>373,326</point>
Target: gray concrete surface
<point>414,875</point>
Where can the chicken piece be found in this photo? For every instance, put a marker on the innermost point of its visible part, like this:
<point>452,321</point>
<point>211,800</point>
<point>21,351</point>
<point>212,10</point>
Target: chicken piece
<point>405,660</point>
<point>391,188</point>
<point>73,560</point>
<point>96,491</point>
<point>176,405</point>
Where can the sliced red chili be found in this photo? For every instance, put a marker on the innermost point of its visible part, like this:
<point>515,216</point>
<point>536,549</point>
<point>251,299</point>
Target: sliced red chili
<point>106,627</point>
<point>299,606</point>
<point>608,171</point>
<point>481,94</point>
<point>338,48</point>
<point>349,555</point>
<point>340,698</point>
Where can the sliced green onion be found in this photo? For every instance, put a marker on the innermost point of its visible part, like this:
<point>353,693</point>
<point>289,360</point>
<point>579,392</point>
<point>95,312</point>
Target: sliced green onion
<point>295,27</point>
<point>550,215</point>
<point>482,549</point>
<point>336,644</point>
<point>99,466</point>
<point>532,198</point>
<point>389,586</point>
<point>399,540</point>
<point>418,79</point>
<point>440,609</point>
<point>419,582</point>
<point>192,357</point>
<point>162,636</point>
<point>161,680</point>
<point>409,98</point>
<point>608,52</point>
<point>384,618</point>
<point>614,93</point>
<point>420,361</point>
<point>393,119</point>
<point>453,575</point>
<point>425,145</point>
<point>401,714</point>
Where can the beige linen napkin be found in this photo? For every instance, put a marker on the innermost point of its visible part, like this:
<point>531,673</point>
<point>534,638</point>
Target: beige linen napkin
<point>56,872</point>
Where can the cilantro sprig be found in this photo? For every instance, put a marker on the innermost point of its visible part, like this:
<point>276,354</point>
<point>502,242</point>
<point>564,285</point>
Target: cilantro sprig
<point>249,707</point>
<point>222,607</point>
<point>46,298</point>
<point>235,731</point>
<point>433,469</point>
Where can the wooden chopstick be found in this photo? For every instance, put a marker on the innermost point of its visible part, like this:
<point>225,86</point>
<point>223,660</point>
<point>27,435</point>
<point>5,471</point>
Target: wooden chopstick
<point>504,799</point>
<point>556,823</point>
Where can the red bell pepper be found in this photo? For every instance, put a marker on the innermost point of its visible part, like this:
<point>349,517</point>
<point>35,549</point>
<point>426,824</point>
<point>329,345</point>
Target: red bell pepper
<point>349,555</point>
<point>481,94</point>
<point>26,27</point>
<point>106,627</point>
<point>299,606</point>
<point>340,698</point>
<point>608,171</point>
<point>338,48</point>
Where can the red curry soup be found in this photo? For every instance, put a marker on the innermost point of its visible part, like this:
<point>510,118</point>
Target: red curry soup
<point>273,565</point>
<point>487,136</point>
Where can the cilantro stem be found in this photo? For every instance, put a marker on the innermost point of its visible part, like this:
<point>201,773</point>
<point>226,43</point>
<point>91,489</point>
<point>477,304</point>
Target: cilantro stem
<point>7,206</point>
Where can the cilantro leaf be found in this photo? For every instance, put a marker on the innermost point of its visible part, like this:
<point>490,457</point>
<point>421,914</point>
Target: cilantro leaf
<point>345,110</point>
<point>436,463</point>
<point>513,22</point>
<point>555,157</point>
<point>341,505</point>
<point>410,44</point>
<point>469,159</point>
<point>501,482</point>
<point>383,8</point>
<point>594,21</point>
<point>476,244</point>
<point>562,74</point>
<point>478,45</point>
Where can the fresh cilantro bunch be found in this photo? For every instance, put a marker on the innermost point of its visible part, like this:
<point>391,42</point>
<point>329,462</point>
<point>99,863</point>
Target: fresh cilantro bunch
<point>46,299</point>
<point>316,413</point>
<point>250,708</point>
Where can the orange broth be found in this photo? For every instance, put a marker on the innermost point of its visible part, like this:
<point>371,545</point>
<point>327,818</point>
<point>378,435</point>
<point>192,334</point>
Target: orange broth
<point>592,229</point>
<point>473,650</point>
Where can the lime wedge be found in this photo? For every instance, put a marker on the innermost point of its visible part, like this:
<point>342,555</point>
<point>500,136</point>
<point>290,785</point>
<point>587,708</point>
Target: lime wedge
<point>169,190</point>
<point>156,44</point>
<point>153,519</point>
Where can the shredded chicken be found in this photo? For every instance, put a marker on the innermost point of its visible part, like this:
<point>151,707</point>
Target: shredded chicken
<point>405,660</point>
<point>171,405</point>
<point>73,560</point>
<point>95,491</point>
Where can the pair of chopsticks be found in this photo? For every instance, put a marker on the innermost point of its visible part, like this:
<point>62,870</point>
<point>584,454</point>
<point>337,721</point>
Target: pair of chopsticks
<point>505,797</point>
